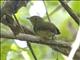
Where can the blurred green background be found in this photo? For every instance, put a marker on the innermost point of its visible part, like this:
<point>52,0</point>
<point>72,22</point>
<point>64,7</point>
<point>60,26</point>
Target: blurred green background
<point>10,50</point>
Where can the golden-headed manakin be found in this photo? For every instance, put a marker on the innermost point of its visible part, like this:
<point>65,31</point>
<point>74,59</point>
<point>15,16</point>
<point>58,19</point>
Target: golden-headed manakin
<point>44,29</point>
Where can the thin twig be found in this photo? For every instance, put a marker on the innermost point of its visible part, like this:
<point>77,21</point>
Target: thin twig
<point>28,43</point>
<point>30,47</point>
<point>46,11</point>
<point>58,7</point>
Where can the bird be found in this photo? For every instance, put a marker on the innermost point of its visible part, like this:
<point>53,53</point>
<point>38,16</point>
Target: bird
<point>45,30</point>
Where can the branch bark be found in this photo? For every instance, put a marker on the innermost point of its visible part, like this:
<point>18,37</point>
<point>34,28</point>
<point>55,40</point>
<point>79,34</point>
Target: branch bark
<point>60,46</point>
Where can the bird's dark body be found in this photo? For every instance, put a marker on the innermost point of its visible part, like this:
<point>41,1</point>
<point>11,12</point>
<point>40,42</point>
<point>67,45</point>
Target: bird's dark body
<point>42,28</point>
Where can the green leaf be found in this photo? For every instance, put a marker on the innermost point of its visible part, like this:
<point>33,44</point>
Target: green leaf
<point>5,48</point>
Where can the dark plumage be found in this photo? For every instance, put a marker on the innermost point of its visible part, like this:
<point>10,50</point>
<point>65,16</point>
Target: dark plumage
<point>42,28</point>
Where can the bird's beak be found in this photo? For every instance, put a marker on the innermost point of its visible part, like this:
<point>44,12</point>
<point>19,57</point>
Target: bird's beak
<point>28,18</point>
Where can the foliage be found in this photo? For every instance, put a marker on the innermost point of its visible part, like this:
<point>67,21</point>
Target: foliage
<point>11,51</point>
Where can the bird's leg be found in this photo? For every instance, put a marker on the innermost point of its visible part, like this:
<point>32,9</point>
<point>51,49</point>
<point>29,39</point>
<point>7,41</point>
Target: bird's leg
<point>53,36</point>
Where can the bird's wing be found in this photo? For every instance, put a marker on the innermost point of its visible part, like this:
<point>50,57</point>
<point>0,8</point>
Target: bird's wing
<point>48,26</point>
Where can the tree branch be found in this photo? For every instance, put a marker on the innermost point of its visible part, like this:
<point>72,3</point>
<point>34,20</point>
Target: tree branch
<point>11,7</point>
<point>70,11</point>
<point>61,46</point>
